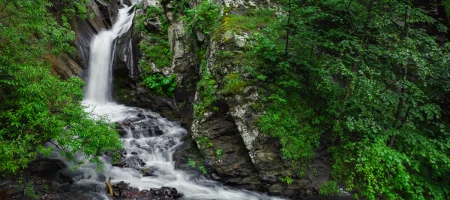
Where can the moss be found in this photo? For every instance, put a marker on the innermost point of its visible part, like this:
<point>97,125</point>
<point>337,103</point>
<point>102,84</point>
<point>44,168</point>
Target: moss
<point>233,84</point>
<point>257,107</point>
<point>204,142</point>
<point>206,88</point>
<point>124,96</point>
<point>154,46</point>
<point>249,22</point>
<point>227,10</point>
<point>156,50</point>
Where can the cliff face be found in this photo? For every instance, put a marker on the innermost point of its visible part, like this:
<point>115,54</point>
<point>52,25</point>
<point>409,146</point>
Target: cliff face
<point>225,131</point>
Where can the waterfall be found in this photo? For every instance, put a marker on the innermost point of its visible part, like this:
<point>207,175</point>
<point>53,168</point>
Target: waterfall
<point>98,88</point>
<point>149,140</point>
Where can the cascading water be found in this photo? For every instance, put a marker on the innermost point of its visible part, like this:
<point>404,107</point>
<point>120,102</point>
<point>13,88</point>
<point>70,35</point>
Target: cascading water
<point>98,88</point>
<point>150,140</point>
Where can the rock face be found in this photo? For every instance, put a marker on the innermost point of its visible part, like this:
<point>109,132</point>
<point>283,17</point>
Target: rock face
<point>225,137</point>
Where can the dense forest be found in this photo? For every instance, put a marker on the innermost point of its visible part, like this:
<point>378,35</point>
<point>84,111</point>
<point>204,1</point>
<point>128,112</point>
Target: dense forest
<point>371,76</point>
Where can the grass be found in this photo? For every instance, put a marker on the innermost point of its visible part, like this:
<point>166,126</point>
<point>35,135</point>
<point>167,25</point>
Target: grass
<point>249,22</point>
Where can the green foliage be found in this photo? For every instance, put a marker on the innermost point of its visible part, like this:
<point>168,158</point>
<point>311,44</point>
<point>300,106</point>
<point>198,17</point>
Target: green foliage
<point>233,84</point>
<point>204,142</point>
<point>160,84</point>
<point>219,153</point>
<point>289,120</point>
<point>249,22</point>
<point>154,45</point>
<point>371,74</point>
<point>203,169</point>
<point>191,163</point>
<point>287,180</point>
<point>180,6</point>
<point>206,88</point>
<point>204,18</point>
<point>155,51</point>
<point>29,192</point>
<point>37,107</point>
<point>329,189</point>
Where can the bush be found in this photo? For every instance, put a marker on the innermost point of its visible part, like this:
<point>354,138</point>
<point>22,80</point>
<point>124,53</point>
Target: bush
<point>160,84</point>
<point>289,120</point>
<point>329,189</point>
<point>205,17</point>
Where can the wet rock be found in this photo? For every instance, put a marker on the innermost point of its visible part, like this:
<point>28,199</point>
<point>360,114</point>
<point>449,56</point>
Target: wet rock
<point>215,177</point>
<point>153,25</point>
<point>147,172</point>
<point>122,132</point>
<point>165,193</point>
<point>157,131</point>
<point>122,190</point>
<point>62,178</point>
<point>276,189</point>
<point>46,167</point>
<point>132,162</point>
<point>119,188</point>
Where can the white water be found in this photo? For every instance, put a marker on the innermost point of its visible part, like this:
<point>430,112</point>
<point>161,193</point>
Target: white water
<point>98,87</point>
<point>141,140</point>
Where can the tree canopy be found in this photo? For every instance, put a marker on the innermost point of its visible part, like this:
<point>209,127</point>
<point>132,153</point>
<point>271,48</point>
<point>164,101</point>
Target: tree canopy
<point>36,106</point>
<point>375,75</point>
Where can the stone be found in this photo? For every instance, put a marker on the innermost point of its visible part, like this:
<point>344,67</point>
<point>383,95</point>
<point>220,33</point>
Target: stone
<point>153,25</point>
<point>157,131</point>
<point>121,132</point>
<point>147,172</point>
<point>200,36</point>
<point>276,189</point>
<point>46,167</point>
<point>240,40</point>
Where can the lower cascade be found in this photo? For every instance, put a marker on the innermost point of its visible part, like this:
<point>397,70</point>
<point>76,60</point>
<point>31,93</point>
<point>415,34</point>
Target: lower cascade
<point>146,167</point>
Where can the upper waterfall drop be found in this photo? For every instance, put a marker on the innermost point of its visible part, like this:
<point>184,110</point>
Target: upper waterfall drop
<point>98,88</point>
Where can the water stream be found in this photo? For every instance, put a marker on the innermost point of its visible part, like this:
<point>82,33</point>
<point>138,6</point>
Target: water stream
<point>150,140</point>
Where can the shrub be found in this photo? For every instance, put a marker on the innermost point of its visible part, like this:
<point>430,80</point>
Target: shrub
<point>329,189</point>
<point>205,17</point>
<point>160,84</point>
<point>233,84</point>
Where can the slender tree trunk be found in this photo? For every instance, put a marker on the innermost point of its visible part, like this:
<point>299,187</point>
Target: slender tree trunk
<point>401,102</point>
<point>287,30</point>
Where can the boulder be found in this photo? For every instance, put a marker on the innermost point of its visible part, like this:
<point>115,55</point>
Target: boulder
<point>153,25</point>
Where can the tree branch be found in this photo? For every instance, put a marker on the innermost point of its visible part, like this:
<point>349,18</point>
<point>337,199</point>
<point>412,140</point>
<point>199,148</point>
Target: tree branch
<point>351,16</point>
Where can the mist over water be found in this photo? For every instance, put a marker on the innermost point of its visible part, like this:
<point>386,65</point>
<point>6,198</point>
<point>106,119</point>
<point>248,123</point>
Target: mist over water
<point>150,139</point>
